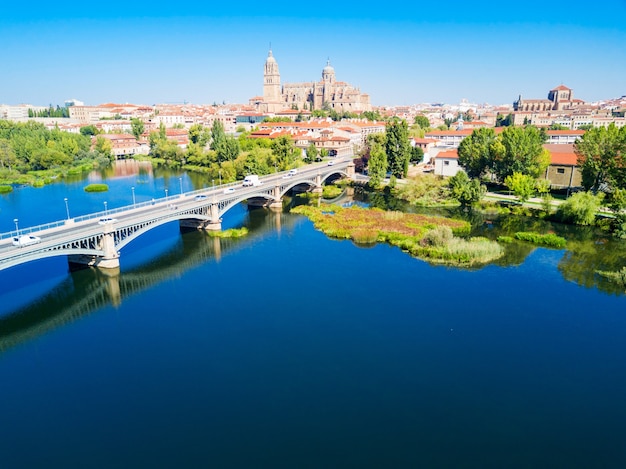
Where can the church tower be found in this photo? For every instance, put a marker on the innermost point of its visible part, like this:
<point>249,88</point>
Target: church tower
<point>271,83</point>
<point>328,74</point>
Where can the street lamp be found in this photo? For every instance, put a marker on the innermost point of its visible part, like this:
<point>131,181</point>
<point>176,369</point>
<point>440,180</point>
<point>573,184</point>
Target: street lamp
<point>165,194</point>
<point>17,228</point>
<point>133,189</point>
<point>220,173</point>
<point>181,186</point>
<point>105,209</point>
<point>67,209</point>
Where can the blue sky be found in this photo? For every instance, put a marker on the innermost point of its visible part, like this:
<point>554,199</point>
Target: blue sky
<point>399,52</point>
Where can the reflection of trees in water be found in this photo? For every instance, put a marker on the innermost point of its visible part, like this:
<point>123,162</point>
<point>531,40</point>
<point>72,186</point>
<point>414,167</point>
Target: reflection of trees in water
<point>585,257</point>
<point>588,250</point>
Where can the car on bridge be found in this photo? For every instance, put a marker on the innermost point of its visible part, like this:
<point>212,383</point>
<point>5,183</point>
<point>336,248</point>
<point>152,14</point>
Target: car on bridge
<point>200,197</point>
<point>25,240</point>
<point>229,190</point>
<point>106,220</point>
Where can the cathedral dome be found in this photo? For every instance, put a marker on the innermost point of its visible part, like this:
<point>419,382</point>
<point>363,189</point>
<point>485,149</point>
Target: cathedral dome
<point>328,68</point>
<point>270,57</point>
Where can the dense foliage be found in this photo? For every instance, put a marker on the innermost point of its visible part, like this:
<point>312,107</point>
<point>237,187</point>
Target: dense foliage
<point>28,147</point>
<point>601,155</point>
<point>514,150</point>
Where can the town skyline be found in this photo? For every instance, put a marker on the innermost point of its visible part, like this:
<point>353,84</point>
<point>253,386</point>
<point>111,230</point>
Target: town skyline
<point>400,55</point>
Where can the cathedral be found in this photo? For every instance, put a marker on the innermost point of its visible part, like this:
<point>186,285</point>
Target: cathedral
<point>559,98</point>
<point>327,93</point>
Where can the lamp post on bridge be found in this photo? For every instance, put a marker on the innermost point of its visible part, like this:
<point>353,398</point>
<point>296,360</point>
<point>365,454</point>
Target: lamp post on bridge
<point>165,194</point>
<point>17,228</point>
<point>220,173</point>
<point>105,209</point>
<point>180,180</point>
<point>133,190</point>
<point>67,208</point>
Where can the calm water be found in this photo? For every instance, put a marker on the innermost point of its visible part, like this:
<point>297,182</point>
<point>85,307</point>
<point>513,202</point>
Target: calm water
<point>288,349</point>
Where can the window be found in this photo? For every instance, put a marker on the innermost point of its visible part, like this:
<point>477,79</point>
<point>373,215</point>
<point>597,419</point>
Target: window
<point>560,170</point>
<point>446,163</point>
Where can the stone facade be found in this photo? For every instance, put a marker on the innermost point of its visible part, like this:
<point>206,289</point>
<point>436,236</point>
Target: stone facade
<point>559,98</point>
<point>330,93</point>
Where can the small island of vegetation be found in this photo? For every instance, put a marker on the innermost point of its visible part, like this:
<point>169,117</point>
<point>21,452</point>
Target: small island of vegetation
<point>96,188</point>
<point>435,239</point>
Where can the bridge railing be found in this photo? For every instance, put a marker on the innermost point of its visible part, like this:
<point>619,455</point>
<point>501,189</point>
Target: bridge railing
<point>170,198</point>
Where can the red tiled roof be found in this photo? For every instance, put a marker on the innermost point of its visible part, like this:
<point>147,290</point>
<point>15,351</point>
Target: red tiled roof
<point>561,154</point>
<point>452,154</point>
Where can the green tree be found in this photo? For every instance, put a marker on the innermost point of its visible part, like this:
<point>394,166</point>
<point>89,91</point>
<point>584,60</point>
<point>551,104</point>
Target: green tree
<point>218,136</point>
<point>137,127</point>
<point>580,208</point>
<point>504,121</point>
<point>397,147</point>
<point>377,164</point>
<point>522,185</point>
<point>199,135</point>
<point>311,153</point>
<point>372,116</point>
<point>89,130</point>
<point>229,149</point>
<point>467,191</point>
<point>519,150</point>
<point>422,121</point>
<point>103,146</point>
<point>284,151</point>
<point>417,155</point>
<point>475,152</point>
<point>7,155</point>
<point>601,155</point>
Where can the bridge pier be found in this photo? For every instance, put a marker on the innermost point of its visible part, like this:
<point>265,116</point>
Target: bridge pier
<point>350,172</point>
<point>318,185</point>
<point>214,223</point>
<point>110,259</point>
<point>277,202</point>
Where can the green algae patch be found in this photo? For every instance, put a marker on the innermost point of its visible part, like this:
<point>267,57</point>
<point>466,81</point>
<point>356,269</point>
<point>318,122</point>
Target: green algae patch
<point>435,239</point>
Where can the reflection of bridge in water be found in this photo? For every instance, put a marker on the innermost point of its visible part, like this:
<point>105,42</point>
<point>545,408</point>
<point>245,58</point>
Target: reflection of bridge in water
<point>89,290</point>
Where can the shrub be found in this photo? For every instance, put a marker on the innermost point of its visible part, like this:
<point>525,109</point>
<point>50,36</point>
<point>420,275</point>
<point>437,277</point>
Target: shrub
<point>439,236</point>
<point>5,189</point>
<point>505,239</point>
<point>364,236</point>
<point>96,188</point>
<point>580,208</point>
<point>549,239</point>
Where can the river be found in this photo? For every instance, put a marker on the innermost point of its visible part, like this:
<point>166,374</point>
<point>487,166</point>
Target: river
<point>287,349</point>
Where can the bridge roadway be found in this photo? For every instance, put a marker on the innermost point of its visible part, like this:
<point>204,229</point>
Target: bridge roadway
<point>86,240</point>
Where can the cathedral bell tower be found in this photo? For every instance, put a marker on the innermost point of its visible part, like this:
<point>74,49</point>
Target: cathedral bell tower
<point>271,80</point>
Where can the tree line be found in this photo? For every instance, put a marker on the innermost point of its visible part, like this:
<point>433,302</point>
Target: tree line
<point>30,146</point>
<point>517,159</point>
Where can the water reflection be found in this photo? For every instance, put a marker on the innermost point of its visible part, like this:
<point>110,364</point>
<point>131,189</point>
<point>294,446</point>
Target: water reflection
<point>588,251</point>
<point>88,290</point>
